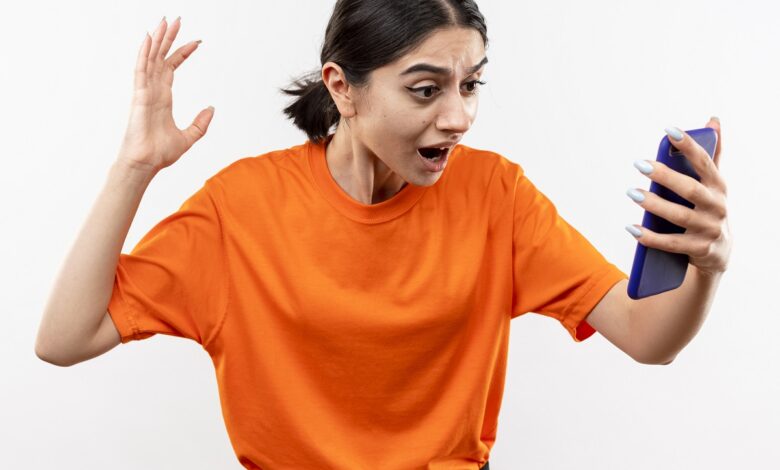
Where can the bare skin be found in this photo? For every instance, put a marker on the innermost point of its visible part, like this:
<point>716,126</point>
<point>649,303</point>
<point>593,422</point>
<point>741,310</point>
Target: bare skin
<point>373,153</point>
<point>76,325</point>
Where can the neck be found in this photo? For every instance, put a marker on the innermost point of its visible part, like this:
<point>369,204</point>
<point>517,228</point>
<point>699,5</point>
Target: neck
<point>359,172</point>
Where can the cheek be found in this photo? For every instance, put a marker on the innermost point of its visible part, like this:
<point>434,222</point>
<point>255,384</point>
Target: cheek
<point>403,121</point>
<point>472,109</point>
<point>397,121</point>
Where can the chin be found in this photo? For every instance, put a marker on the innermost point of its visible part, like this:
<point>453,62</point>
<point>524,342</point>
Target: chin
<point>425,178</point>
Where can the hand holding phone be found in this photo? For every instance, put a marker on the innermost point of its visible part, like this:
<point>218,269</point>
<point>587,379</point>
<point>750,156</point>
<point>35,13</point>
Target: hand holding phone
<point>655,271</point>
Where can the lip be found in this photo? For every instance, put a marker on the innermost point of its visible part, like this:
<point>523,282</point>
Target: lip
<point>435,167</point>
<point>447,144</point>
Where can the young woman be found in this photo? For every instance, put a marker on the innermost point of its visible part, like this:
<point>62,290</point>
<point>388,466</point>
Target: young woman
<point>355,291</point>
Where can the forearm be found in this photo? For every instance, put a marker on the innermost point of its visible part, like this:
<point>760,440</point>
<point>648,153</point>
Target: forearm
<point>665,323</point>
<point>79,297</point>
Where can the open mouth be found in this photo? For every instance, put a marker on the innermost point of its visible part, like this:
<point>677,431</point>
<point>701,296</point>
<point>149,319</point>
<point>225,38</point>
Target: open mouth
<point>433,154</point>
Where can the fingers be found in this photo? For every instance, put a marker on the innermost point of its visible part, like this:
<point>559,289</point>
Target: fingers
<point>151,56</point>
<point>683,185</point>
<point>682,243</point>
<point>168,39</point>
<point>140,64</point>
<point>163,38</point>
<point>699,158</point>
<point>181,54</point>
<point>704,224</point>
<point>714,123</point>
<point>153,64</point>
<point>199,126</point>
<point>696,221</point>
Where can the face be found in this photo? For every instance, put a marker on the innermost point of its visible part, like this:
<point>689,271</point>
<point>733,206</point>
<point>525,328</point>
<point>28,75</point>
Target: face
<point>407,106</point>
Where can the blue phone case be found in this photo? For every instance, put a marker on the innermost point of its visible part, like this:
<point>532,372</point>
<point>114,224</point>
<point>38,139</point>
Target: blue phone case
<point>655,271</point>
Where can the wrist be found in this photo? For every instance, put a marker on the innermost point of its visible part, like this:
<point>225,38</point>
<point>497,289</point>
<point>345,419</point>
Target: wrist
<point>709,274</point>
<point>134,172</point>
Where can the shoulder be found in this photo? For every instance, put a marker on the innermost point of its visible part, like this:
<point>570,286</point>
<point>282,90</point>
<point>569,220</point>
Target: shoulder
<point>248,167</point>
<point>252,173</point>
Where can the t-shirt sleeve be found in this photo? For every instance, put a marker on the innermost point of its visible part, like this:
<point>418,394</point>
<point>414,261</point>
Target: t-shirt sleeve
<point>174,281</point>
<point>557,271</point>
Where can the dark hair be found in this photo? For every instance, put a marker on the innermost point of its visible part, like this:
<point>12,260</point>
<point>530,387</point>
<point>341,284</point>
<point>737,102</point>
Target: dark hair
<point>363,35</point>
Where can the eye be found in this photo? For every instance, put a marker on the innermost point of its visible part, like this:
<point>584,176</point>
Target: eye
<point>474,84</point>
<point>427,91</point>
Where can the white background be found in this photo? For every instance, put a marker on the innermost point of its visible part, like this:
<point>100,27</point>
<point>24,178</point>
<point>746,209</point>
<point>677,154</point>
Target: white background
<point>576,92</point>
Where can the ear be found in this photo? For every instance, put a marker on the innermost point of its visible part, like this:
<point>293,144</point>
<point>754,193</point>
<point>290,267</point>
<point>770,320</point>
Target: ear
<point>341,91</point>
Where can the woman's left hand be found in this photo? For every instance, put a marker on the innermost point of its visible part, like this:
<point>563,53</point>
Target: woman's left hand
<point>707,239</point>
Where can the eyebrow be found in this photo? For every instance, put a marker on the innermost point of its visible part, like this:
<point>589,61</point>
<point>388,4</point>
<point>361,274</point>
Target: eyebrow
<point>441,70</point>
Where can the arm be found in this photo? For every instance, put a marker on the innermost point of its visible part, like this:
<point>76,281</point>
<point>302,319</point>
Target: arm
<point>655,329</point>
<point>75,325</point>
<point>664,324</point>
<point>76,308</point>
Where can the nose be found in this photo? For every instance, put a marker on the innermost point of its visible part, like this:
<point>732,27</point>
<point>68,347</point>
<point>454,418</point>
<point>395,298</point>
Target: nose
<point>457,113</point>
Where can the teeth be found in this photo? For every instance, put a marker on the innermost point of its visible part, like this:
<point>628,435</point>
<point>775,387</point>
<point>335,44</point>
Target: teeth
<point>439,153</point>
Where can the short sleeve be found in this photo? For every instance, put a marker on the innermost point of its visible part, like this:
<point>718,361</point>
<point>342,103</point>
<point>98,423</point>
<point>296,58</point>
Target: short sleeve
<point>557,271</point>
<point>174,281</point>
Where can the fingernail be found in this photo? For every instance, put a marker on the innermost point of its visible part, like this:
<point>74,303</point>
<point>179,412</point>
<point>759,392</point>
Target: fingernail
<point>643,166</point>
<point>178,18</point>
<point>715,118</point>
<point>635,195</point>
<point>674,133</point>
<point>634,231</point>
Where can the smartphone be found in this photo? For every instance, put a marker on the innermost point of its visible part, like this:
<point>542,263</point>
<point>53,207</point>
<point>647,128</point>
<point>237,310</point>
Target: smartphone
<point>655,271</point>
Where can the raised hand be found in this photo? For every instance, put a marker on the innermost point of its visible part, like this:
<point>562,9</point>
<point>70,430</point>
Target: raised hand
<point>152,141</point>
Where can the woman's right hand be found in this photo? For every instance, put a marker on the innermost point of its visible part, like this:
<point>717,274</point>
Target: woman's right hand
<point>152,141</point>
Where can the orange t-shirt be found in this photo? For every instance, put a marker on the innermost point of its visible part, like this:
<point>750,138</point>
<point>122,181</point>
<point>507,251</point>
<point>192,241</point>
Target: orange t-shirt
<point>354,336</point>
